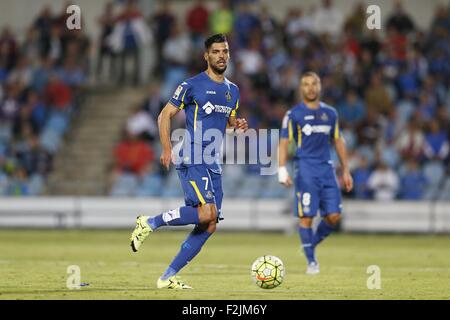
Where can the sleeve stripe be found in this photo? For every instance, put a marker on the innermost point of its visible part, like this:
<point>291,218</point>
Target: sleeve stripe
<point>299,133</point>
<point>195,115</point>
<point>291,133</point>
<point>182,100</point>
<point>336,131</point>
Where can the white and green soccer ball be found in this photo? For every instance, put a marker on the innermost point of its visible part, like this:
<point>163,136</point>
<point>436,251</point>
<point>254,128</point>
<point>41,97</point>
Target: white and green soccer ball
<point>268,272</point>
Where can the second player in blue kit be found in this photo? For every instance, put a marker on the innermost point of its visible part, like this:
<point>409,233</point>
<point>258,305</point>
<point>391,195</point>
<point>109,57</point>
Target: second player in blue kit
<point>314,127</point>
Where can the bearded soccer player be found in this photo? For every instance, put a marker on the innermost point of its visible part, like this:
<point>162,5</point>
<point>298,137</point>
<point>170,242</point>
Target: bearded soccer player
<point>314,126</point>
<point>210,102</point>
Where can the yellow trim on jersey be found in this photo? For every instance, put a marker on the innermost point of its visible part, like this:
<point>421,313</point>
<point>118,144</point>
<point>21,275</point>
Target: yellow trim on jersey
<point>195,115</point>
<point>182,100</point>
<point>299,133</point>
<point>197,191</point>
<point>291,133</point>
<point>336,131</point>
<point>299,205</point>
<point>233,112</point>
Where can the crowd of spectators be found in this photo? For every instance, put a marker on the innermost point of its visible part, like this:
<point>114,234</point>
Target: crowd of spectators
<point>42,76</point>
<point>389,86</point>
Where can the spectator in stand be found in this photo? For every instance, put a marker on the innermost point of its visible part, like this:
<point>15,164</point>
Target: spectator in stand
<point>142,125</point>
<point>36,111</point>
<point>328,19</point>
<point>153,103</point>
<point>197,21</point>
<point>360,179</point>
<point>352,110</point>
<point>355,22</point>
<point>71,74</point>
<point>106,23</point>
<point>221,19</point>
<point>412,182</point>
<point>18,185</point>
<point>8,48</point>
<point>246,24</point>
<point>383,182</point>
<point>400,20</point>
<point>410,142</point>
<point>162,23</point>
<point>132,155</point>
<point>58,95</point>
<point>129,36</point>
<point>436,142</point>
<point>369,129</point>
<point>377,97</point>
<point>43,24</point>
<point>33,158</point>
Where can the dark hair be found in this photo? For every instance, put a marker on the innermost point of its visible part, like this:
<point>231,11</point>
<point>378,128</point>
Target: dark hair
<point>217,38</point>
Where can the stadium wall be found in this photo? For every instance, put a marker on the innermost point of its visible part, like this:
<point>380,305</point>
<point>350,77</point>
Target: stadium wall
<point>18,14</point>
<point>240,214</point>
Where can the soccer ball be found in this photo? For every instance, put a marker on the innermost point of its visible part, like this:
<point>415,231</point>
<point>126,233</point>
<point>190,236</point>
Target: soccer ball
<point>268,272</point>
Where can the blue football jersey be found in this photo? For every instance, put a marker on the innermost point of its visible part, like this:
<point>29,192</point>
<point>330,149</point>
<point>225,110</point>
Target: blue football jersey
<point>208,105</point>
<point>313,131</point>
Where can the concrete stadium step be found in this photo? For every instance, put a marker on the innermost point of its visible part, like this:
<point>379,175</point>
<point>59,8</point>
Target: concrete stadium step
<point>82,164</point>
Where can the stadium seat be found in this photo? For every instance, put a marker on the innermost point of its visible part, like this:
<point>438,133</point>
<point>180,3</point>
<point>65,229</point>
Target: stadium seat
<point>36,184</point>
<point>434,172</point>
<point>50,140</point>
<point>125,186</point>
<point>390,156</point>
<point>151,185</point>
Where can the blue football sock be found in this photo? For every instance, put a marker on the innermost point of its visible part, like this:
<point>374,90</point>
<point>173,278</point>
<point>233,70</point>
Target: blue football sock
<point>306,236</point>
<point>189,249</point>
<point>323,231</point>
<point>177,217</point>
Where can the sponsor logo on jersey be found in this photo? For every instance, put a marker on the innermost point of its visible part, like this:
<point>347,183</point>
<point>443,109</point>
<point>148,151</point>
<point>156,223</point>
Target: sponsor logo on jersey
<point>309,129</point>
<point>310,117</point>
<point>210,92</point>
<point>209,108</point>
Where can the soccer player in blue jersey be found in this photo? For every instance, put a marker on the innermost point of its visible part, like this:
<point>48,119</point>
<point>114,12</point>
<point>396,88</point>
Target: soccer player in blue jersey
<point>210,102</point>
<point>314,126</point>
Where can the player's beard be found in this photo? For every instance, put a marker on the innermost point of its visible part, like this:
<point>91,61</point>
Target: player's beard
<point>217,70</point>
<point>308,99</point>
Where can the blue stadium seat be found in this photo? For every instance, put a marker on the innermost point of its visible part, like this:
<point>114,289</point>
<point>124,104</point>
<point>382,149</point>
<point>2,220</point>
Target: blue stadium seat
<point>36,184</point>
<point>125,185</point>
<point>151,185</point>
<point>50,140</point>
<point>434,172</point>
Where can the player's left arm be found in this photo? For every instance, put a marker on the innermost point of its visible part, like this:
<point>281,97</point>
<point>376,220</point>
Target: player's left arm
<point>237,123</point>
<point>341,150</point>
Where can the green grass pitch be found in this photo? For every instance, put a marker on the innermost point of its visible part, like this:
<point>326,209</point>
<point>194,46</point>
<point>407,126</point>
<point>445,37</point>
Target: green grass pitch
<point>33,265</point>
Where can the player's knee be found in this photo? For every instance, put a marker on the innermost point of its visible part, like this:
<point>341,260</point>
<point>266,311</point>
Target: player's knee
<point>208,213</point>
<point>306,222</point>
<point>333,219</point>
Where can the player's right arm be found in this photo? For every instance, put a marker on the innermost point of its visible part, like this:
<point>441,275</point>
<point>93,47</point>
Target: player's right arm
<point>164,119</point>
<point>283,148</point>
<point>179,100</point>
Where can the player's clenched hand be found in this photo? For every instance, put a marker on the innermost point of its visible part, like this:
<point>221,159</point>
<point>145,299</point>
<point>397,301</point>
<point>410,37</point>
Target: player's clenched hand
<point>348,180</point>
<point>166,158</point>
<point>241,124</point>
<point>283,177</point>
